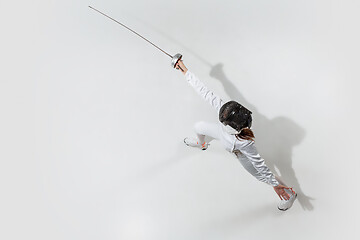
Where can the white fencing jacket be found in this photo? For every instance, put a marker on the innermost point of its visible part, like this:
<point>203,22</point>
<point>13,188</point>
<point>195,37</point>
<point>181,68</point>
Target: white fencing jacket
<point>244,150</point>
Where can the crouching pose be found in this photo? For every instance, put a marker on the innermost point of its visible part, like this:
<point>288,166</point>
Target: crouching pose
<point>235,134</point>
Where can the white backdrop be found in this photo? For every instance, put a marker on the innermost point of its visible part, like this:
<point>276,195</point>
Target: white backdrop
<point>93,119</point>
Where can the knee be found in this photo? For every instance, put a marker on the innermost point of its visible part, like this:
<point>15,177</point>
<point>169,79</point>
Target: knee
<point>199,126</point>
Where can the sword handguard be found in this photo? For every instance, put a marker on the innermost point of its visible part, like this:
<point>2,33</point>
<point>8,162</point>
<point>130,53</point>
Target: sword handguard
<point>175,59</point>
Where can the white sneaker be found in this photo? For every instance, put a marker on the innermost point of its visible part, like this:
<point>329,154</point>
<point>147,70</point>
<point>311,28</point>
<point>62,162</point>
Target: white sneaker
<point>286,204</point>
<point>194,143</point>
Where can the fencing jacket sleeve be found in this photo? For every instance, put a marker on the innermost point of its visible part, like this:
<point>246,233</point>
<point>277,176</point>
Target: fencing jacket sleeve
<point>255,164</point>
<point>203,91</point>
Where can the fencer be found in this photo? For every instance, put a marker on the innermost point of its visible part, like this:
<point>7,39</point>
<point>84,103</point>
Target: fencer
<point>234,132</point>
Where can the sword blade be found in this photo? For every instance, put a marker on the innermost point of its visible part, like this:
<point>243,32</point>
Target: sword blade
<point>130,30</point>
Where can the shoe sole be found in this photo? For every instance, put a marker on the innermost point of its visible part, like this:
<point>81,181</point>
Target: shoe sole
<point>288,207</point>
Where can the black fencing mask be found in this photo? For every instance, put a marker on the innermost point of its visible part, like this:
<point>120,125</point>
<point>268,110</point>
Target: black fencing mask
<point>232,114</point>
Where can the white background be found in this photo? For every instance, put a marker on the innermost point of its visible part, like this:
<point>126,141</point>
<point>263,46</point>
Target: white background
<point>93,119</point>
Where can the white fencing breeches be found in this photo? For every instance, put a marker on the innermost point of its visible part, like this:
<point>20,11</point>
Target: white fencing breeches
<point>207,130</point>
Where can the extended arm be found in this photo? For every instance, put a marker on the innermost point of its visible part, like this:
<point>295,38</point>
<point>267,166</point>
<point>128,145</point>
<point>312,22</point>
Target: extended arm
<point>264,174</point>
<point>200,87</point>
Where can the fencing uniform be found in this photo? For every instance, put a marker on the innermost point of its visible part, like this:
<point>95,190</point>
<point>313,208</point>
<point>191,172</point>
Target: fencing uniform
<point>244,150</point>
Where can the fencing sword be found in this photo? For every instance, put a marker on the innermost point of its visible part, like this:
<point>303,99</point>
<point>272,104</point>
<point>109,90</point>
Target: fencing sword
<point>174,59</point>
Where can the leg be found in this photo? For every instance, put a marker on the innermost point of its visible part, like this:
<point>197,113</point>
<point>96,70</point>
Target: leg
<point>206,130</point>
<point>205,133</point>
